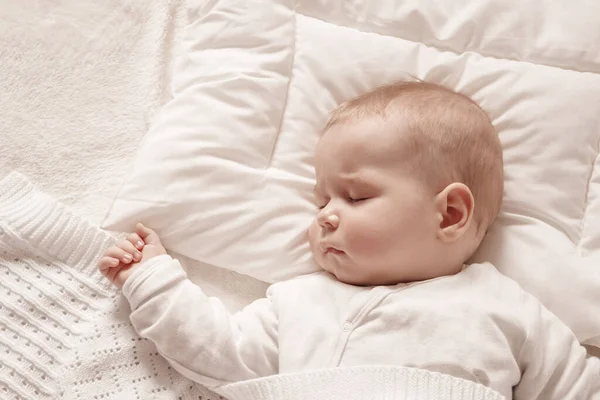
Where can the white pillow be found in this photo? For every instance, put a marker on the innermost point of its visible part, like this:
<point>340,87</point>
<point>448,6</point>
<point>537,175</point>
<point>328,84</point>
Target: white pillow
<point>225,173</point>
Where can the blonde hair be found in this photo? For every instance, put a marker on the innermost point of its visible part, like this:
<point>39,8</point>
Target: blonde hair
<point>451,139</point>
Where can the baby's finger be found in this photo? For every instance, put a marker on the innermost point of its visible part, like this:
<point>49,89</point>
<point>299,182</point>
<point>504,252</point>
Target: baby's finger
<point>125,256</point>
<point>107,263</point>
<point>111,274</point>
<point>136,240</point>
<point>147,234</point>
<point>130,248</point>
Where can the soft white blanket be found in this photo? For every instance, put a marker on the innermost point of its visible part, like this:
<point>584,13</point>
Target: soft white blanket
<point>64,332</point>
<point>80,82</point>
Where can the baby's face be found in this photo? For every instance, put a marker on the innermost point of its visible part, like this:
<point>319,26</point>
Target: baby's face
<point>376,222</point>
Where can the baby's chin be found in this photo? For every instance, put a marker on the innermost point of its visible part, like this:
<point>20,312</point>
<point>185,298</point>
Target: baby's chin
<point>325,266</point>
<point>341,271</point>
<point>348,275</point>
<point>344,274</point>
<point>354,280</point>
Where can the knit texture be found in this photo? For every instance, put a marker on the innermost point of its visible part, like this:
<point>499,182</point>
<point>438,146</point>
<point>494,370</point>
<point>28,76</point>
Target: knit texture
<point>64,331</point>
<point>361,383</point>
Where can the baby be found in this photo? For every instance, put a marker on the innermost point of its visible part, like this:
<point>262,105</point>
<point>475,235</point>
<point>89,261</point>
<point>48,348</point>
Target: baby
<point>409,178</point>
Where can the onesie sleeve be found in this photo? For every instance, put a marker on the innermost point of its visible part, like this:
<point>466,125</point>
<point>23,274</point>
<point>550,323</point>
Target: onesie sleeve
<point>196,333</point>
<point>554,366</point>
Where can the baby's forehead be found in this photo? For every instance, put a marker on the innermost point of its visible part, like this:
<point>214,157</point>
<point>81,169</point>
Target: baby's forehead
<point>369,139</point>
<point>351,149</point>
<point>359,179</point>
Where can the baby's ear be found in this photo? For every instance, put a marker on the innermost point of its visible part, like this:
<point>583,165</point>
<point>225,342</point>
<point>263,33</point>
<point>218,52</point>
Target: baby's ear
<point>454,208</point>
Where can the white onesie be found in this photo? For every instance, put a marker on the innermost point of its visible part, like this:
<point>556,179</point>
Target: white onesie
<point>477,325</point>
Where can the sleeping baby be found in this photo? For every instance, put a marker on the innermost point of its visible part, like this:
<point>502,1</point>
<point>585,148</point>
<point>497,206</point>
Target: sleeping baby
<point>409,179</point>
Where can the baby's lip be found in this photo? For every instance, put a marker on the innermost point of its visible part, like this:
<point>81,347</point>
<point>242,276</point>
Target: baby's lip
<point>327,248</point>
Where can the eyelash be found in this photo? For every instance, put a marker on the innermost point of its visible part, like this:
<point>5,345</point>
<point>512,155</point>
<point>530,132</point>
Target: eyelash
<point>350,200</point>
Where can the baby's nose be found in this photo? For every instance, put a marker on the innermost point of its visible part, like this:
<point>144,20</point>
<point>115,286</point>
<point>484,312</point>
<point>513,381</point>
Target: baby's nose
<point>328,220</point>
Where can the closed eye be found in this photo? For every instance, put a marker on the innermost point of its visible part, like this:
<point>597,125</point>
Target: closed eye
<point>357,200</point>
<point>321,206</point>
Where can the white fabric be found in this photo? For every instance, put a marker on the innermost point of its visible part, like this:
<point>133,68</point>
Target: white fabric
<point>360,383</point>
<point>476,325</point>
<point>64,331</point>
<point>80,82</point>
<point>225,173</point>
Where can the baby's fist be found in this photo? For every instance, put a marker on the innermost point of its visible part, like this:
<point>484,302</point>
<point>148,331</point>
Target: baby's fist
<point>152,245</point>
<point>125,256</point>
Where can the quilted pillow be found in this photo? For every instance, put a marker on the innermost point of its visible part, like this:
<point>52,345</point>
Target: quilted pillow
<point>225,173</point>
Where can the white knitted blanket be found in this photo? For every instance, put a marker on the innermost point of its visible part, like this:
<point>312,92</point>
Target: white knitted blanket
<point>65,332</point>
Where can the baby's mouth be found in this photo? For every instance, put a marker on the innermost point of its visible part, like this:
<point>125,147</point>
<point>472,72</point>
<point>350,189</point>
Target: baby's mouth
<point>327,249</point>
<point>331,250</point>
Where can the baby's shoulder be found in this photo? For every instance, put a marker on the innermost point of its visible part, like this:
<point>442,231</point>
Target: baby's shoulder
<point>482,284</point>
<point>485,277</point>
<point>479,286</point>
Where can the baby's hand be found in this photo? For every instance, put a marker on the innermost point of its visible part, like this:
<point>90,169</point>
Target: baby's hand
<point>125,256</point>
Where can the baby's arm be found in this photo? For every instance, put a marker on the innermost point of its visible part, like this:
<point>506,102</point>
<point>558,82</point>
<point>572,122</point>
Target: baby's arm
<point>195,333</point>
<point>553,363</point>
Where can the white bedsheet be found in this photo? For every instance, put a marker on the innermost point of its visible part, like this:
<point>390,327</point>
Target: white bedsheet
<point>80,82</point>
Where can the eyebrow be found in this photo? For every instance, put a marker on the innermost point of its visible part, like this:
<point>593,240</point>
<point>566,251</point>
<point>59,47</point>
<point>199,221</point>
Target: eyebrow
<point>350,179</point>
<point>354,179</point>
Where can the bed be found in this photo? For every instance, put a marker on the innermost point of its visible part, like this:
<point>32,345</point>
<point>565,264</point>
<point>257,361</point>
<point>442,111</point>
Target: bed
<point>83,83</point>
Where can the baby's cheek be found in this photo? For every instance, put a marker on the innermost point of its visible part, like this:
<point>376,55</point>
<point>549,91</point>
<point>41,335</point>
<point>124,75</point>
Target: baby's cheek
<point>364,237</point>
<point>313,232</point>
